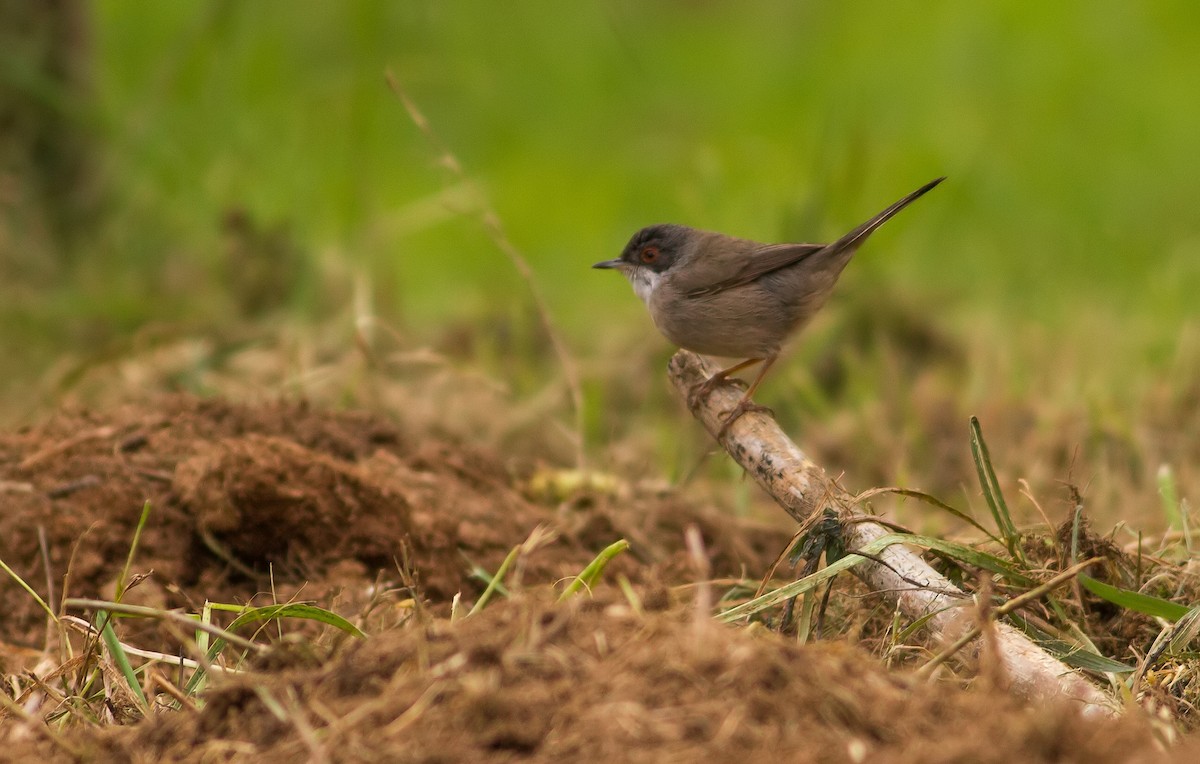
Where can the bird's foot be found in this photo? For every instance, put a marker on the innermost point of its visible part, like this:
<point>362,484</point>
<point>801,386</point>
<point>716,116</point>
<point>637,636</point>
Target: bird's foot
<point>744,405</point>
<point>704,389</point>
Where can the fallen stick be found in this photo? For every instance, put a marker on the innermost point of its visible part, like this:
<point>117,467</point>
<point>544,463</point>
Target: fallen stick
<point>801,487</point>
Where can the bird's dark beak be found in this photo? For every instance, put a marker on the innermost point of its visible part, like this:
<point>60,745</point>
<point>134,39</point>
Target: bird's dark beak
<point>608,264</point>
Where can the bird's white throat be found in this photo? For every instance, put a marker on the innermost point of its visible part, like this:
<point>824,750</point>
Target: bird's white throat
<point>644,281</point>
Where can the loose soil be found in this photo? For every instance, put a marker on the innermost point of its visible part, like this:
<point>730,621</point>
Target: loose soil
<point>388,527</point>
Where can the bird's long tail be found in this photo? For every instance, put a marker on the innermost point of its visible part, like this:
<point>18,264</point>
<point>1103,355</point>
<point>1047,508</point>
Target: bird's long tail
<point>851,240</point>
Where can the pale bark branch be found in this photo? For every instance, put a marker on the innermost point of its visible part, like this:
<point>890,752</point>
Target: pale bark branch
<point>802,488</point>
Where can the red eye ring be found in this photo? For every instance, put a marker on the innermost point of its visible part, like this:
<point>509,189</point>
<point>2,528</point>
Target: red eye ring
<point>649,254</point>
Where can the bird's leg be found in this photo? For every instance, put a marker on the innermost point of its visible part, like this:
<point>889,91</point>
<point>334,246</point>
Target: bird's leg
<point>705,388</point>
<point>745,404</point>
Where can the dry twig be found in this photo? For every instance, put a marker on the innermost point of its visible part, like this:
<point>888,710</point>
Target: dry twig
<point>495,231</point>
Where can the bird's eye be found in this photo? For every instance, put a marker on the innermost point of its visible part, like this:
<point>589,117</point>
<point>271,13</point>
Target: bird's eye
<point>649,254</point>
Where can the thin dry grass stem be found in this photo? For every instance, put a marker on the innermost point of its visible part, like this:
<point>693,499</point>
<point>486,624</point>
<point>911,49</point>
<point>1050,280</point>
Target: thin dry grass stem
<point>540,536</point>
<point>702,568</point>
<point>991,667</point>
<point>364,325</point>
<point>66,586</point>
<point>156,679</point>
<point>304,730</point>
<point>414,712</point>
<point>1164,539</point>
<point>1027,492</point>
<point>44,552</point>
<point>189,644</point>
<point>90,654</point>
<point>99,433</point>
<point>804,529</point>
<point>275,601</point>
<point>380,593</point>
<point>42,683</point>
<point>783,553</point>
<point>1077,521</point>
<point>495,230</point>
<point>166,615</point>
<point>337,725</point>
<point>409,581</point>
<point>90,631</point>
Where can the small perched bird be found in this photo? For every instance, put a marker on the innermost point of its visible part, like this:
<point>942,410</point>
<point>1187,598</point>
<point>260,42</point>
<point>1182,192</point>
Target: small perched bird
<point>722,296</point>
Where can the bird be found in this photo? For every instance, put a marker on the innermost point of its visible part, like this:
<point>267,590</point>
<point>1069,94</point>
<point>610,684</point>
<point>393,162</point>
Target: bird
<point>719,295</point>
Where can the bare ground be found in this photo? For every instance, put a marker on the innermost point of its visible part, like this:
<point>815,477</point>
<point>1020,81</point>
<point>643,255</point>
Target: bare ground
<point>384,525</point>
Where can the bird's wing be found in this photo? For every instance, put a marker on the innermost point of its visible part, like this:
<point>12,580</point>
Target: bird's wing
<point>764,259</point>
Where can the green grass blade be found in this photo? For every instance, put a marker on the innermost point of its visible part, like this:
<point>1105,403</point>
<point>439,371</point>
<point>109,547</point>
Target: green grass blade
<point>141,611</point>
<point>137,536</point>
<point>28,590</point>
<point>1142,603</point>
<point>992,492</point>
<point>915,626</point>
<point>932,501</point>
<point>199,677</point>
<point>117,653</point>
<point>631,596</point>
<point>1070,653</point>
<point>202,636</point>
<point>971,556</point>
<point>808,583</point>
<point>265,613</point>
<point>1170,497</point>
<point>595,568</point>
<point>1187,531</point>
<point>296,610</point>
<point>1175,639</point>
<point>478,572</point>
<point>495,582</point>
<point>1184,631</point>
<point>808,604</point>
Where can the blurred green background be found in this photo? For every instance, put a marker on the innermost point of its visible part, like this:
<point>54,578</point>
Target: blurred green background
<point>1068,131</point>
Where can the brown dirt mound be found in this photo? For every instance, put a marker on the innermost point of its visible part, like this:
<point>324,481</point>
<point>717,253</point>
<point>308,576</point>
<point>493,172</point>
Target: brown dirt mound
<point>593,681</point>
<point>319,505</point>
<point>276,497</point>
